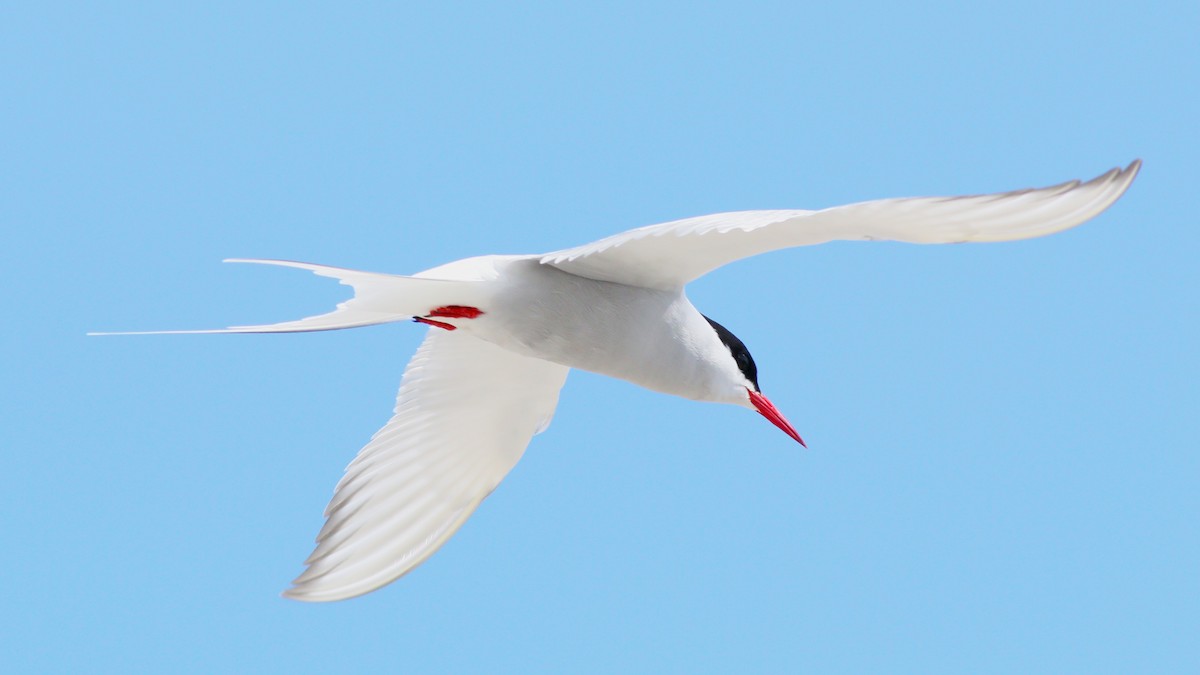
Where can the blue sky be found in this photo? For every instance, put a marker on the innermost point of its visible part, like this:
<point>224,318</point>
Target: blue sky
<point>1003,473</point>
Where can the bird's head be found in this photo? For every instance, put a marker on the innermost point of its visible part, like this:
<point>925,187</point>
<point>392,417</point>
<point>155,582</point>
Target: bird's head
<point>749,371</point>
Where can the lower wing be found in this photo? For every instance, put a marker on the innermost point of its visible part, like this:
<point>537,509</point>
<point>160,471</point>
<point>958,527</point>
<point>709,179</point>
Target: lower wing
<point>464,415</point>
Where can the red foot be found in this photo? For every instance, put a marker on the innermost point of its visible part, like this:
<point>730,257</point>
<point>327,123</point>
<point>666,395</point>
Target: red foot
<point>456,312</point>
<point>449,312</point>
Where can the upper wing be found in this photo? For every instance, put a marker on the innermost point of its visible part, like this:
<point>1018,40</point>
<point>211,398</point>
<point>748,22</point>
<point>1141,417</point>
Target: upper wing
<point>465,412</point>
<point>670,255</point>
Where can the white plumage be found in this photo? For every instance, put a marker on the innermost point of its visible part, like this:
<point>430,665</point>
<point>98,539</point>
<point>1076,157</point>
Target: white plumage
<point>505,330</point>
<point>465,412</point>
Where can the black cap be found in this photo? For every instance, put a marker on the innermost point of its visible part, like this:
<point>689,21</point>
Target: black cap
<point>737,349</point>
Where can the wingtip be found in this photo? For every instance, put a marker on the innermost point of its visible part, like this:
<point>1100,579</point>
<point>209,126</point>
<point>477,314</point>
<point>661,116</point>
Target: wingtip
<point>1132,170</point>
<point>301,593</point>
<point>1118,180</point>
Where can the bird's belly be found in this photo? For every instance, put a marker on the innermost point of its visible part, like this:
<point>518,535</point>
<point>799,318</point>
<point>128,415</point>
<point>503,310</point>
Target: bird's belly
<point>612,329</point>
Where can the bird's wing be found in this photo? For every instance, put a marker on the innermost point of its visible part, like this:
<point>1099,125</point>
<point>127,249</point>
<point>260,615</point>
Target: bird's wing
<point>670,255</point>
<point>465,412</point>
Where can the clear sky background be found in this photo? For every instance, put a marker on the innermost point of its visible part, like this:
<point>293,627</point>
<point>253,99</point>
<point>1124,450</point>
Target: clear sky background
<point>1003,473</point>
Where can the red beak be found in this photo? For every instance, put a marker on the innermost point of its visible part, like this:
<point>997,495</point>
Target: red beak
<point>769,411</point>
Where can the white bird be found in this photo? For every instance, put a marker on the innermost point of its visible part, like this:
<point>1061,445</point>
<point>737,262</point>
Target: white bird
<point>505,330</point>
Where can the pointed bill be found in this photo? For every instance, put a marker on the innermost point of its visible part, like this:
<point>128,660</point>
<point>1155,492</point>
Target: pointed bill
<point>769,411</point>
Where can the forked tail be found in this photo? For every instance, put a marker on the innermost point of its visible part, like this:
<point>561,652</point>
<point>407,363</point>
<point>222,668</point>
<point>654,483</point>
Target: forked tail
<point>378,298</point>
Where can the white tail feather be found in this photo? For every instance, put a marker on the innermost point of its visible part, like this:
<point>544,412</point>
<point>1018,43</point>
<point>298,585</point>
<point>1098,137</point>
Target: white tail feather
<point>378,298</point>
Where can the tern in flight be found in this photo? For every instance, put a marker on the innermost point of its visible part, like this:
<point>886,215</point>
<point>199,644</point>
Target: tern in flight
<point>504,330</point>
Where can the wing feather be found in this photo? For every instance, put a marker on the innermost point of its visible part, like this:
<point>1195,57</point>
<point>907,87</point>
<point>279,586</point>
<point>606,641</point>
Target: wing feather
<point>465,412</point>
<point>669,255</point>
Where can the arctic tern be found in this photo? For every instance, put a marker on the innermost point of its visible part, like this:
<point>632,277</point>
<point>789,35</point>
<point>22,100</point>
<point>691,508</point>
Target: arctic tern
<point>504,330</point>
